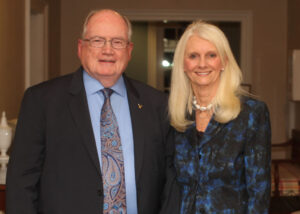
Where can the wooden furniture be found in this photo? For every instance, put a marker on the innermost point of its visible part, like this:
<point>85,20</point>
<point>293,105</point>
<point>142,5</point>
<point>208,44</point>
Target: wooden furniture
<point>286,178</point>
<point>2,198</point>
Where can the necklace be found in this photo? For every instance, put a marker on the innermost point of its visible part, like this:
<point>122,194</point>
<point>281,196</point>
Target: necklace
<point>196,106</point>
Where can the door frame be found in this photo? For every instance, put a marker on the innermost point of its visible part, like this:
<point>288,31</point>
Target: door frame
<point>244,17</point>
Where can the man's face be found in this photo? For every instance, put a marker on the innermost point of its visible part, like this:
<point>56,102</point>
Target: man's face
<point>106,64</point>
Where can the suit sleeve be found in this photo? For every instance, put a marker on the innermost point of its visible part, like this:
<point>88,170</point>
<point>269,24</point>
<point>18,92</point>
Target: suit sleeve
<point>171,193</point>
<point>27,157</point>
<point>258,160</point>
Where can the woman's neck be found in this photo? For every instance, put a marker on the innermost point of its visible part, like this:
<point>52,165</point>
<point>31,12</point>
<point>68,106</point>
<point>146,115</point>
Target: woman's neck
<point>205,93</point>
<point>203,96</point>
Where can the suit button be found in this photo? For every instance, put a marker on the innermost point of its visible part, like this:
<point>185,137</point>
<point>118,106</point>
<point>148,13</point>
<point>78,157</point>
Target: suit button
<point>199,156</point>
<point>99,191</point>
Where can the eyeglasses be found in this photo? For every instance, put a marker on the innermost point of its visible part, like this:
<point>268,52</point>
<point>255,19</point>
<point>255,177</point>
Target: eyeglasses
<point>99,42</point>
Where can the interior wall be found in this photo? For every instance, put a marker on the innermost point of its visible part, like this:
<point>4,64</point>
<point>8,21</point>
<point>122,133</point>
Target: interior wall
<point>294,43</point>
<point>54,47</point>
<point>269,79</point>
<point>12,45</point>
<point>37,49</point>
<point>138,65</point>
<point>12,50</point>
<point>297,116</point>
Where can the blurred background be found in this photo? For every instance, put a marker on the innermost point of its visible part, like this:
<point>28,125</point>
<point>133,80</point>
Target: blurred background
<point>38,41</point>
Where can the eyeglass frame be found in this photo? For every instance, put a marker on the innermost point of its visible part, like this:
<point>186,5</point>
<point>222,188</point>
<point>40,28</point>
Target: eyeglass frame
<point>105,41</point>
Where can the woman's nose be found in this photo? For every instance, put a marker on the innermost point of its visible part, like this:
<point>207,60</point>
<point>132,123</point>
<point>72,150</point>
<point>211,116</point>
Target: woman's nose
<point>202,62</point>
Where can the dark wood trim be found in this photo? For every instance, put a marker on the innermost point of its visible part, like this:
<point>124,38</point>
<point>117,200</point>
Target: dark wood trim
<point>2,197</point>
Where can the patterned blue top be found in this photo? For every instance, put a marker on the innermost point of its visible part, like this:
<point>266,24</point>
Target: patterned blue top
<point>227,170</point>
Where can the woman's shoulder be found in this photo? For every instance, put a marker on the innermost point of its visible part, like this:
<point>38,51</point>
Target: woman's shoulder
<point>252,103</point>
<point>254,109</point>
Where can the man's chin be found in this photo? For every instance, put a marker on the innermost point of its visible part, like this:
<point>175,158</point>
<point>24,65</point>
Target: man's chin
<point>108,79</point>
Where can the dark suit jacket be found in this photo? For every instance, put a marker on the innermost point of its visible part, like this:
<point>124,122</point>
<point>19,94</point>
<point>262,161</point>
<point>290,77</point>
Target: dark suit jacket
<point>54,166</point>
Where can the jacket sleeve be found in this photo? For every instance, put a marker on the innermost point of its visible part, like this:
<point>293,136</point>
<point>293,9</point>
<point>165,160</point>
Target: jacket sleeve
<point>27,157</point>
<point>171,195</point>
<point>258,160</point>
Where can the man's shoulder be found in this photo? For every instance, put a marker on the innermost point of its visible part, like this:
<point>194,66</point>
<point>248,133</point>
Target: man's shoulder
<point>58,83</point>
<point>55,89</point>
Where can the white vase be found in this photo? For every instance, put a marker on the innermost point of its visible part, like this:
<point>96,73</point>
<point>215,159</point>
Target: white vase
<point>5,141</point>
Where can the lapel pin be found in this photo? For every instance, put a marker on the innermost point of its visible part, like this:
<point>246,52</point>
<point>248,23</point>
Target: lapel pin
<point>140,106</point>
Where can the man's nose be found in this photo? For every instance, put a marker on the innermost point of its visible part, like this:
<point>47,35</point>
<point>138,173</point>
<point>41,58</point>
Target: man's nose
<point>107,48</point>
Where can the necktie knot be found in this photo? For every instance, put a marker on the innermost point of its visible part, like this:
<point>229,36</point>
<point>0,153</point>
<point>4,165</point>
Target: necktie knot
<point>107,92</point>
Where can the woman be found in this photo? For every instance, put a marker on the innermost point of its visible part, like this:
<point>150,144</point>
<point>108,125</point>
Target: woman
<point>222,136</point>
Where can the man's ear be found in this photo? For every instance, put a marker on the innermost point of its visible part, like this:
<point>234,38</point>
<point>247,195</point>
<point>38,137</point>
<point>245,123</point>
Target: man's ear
<point>130,48</point>
<point>79,47</point>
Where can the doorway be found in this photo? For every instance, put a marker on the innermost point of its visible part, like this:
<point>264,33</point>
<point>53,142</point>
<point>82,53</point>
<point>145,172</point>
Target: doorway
<point>36,42</point>
<point>238,23</point>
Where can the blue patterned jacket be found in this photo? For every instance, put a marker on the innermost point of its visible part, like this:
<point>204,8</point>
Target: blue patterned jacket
<point>227,170</point>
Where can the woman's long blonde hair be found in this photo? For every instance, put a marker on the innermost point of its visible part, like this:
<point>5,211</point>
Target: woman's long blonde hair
<point>227,100</point>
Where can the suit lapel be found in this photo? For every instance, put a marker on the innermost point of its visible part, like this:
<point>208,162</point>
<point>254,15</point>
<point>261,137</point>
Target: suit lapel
<point>79,109</point>
<point>138,115</point>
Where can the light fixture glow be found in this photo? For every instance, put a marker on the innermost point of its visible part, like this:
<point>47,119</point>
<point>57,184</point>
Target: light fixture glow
<point>165,63</point>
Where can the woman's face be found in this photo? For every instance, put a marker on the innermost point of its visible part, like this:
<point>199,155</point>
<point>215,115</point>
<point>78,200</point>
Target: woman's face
<point>202,63</point>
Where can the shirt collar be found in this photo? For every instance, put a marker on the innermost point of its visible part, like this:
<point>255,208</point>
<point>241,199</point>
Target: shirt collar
<point>93,86</point>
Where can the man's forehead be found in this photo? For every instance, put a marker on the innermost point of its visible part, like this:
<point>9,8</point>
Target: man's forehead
<point>111,26</point>
<point>107,16</point>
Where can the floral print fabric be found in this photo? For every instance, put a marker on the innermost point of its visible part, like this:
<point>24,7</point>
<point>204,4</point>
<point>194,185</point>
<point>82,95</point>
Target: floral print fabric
<point>227,170</point>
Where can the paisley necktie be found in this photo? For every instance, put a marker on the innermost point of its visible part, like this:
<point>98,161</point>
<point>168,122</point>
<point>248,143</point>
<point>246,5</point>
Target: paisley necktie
<point>112,160</point>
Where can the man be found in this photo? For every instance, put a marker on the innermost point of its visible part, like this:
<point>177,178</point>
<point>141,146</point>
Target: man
<point>58,163</point>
